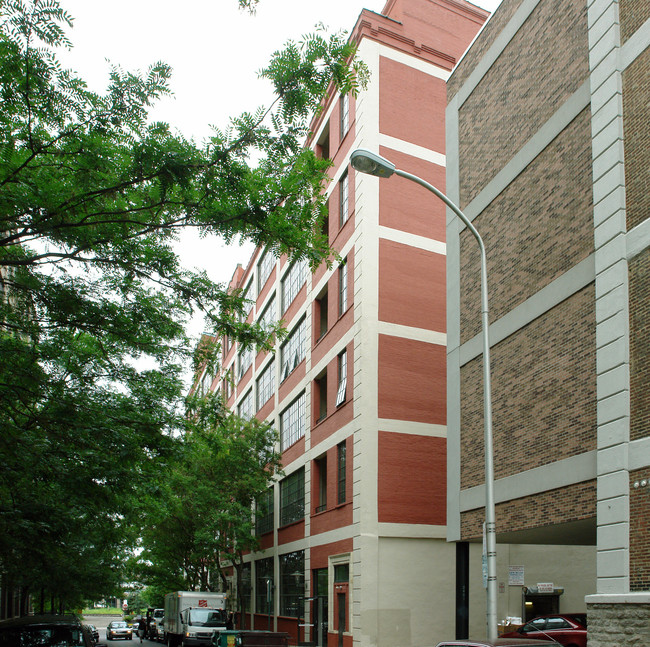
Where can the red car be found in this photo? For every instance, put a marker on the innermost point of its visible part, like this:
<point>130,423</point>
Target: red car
<point>568,629</point>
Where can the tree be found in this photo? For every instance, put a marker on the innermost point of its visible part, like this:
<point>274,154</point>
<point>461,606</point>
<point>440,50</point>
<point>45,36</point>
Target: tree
<point>92,197</point>
<point>202,521</point>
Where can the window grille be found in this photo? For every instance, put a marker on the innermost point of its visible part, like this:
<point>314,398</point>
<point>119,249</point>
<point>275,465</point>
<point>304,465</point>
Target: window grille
<point>264,269</point>
<point>343,377</point>
<point>266,385</point>
<point>245,361</point>
<point>245,410</point>
<point>293,350</point>
<point>292,422</point>
<point>292,584</point>
<point>345,114</point>
<point>344,211</point>
<point>343,287</point>
<point>292,498</point>
<point>294,279</point>
<point>342,459</point>
<point>264,518</point>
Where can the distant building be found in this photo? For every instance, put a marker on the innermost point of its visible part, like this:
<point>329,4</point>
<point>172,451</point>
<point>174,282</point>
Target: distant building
<point>353,537</point>
<point>548,143</point>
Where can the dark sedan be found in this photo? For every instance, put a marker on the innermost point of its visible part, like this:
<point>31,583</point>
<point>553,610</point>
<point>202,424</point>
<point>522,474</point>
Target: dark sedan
<point>63,631</point>
<point>568,629</point>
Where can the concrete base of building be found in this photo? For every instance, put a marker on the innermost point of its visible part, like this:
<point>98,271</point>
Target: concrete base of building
<point>622,620</point>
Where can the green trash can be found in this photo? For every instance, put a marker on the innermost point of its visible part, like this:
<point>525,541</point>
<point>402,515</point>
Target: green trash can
<point>246,638</point>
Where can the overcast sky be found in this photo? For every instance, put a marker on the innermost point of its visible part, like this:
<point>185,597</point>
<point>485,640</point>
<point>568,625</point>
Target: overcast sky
<point>215,51</point>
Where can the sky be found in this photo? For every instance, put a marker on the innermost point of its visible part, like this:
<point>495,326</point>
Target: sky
<point>215,51</point>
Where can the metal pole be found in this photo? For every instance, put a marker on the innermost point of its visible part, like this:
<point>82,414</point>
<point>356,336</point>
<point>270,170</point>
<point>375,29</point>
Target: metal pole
<point>490,513</point>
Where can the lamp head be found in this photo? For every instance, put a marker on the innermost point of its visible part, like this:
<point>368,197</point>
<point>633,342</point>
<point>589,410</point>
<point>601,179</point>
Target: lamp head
<point>366,161</point>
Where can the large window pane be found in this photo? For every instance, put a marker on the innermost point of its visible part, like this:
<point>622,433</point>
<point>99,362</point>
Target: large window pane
<point>292,422</point>
<point>292,498</point>
<point>292,584</point>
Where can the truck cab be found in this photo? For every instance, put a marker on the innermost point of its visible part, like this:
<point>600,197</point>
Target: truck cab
<point>199,624</point>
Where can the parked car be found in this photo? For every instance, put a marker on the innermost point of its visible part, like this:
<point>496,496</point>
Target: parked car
<point>499,642</point>
<point>94,633</point>
<point>568,629</point>
<point>118,629</point>
<point>63,631</point>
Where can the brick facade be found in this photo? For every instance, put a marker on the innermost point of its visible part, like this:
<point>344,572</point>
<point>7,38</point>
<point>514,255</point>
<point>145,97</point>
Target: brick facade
<point>545,409</point>
<point>556,226</point>
<point>560,505</point>
<point>531,78</point>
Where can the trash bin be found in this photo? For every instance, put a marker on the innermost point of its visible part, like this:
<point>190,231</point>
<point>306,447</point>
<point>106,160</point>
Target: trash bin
<point>243,638</point>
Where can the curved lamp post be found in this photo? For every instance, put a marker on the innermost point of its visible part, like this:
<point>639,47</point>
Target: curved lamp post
<point>368,162</point>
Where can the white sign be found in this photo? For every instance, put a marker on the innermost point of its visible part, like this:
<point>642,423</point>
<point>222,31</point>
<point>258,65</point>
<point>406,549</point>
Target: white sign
<point>515,575</point>
<point>545,587</point>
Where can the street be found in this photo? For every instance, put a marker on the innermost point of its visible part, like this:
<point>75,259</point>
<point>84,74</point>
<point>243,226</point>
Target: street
<point>101,622</point>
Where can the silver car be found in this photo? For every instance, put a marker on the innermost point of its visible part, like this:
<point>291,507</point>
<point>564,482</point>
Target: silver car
<point>118,629</point>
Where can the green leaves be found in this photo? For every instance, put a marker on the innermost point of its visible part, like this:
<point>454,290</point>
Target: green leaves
<point>94,300</point>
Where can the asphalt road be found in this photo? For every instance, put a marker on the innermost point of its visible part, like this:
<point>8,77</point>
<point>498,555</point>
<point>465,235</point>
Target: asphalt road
<point>101,622</point>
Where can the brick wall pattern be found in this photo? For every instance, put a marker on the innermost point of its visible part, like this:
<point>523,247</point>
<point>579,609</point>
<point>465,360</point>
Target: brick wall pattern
<point>636,117</point>
<point>543,411</point>
<point>639,532</point>
<point>523,89</point>
<point>632,14</point>
<point>555,225</point>
<point>573,503</point>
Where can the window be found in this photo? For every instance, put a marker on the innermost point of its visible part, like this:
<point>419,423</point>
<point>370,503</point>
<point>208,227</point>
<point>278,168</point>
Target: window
<point>323,145</point>
<point>341,459</point>
<point>264,269</point>
<point>320,317</point>
<point>245,361</point>
<point>248,297</point>
<point>264,585</point>
<point>292,422</point>
<point>266,385</point>
<point>292,352</point>
<point>343,377</point>
<point>292,497</point>
<point>320,402</point>
<point>245,409</point>
<point>343,287</point>
<point>343,199</point>
<point>269,316</point>
<point>292,584</point>
<point>228,387</point>
<point>342,573</point>
<point>345,114</point>
<point>264,517</point>
<point>321,473</point>
<point>293,280</point>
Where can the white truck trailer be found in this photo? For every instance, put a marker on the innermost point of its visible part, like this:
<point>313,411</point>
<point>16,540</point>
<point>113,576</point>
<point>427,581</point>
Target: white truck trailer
<point>191,617</point>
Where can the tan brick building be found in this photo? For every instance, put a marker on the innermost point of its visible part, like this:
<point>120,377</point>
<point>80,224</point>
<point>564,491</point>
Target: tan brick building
<point>548,149</point>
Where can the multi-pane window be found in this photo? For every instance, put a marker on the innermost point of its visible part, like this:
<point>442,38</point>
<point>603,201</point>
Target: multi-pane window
<point>292,422</point>
<point>264,518</point>
<point>341,459</point>
<point>228,387</point>
<point>343,377</point>
<point>266,385</point>
<point>343,287</point>
<point>344,207</point>
<point>292,584</point>
<point>292,497</point>
<point>248,297</point>
<point>293,280</point>
<point>264,585</point>
<point>264,269</point>
<point>345,114</point>
<point>269,316</point>
<point>245,361</point>
<point>292,352</point>
<point>245,410</point>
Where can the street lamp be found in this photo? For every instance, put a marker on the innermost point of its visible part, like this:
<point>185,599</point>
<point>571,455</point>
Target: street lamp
<point>368,162</point>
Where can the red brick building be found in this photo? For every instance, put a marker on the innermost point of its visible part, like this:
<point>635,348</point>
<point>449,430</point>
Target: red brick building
<point>353,536</point>
<point>548,146</point>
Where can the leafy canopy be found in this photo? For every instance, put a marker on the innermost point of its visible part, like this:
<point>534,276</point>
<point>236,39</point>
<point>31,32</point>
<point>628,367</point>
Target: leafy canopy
<point>92,198</point>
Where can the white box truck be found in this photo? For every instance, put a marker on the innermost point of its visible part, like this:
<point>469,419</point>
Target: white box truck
<point>191,617</point>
